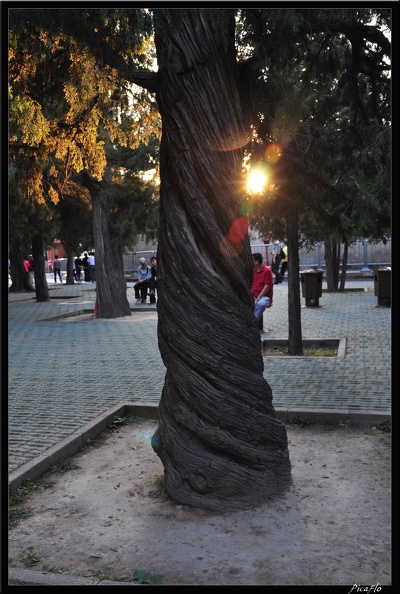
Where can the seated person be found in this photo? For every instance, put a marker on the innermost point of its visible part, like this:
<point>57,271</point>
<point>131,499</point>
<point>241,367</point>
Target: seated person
<point>153,279</point>
<point>263,286</point>
<point>144,274</point>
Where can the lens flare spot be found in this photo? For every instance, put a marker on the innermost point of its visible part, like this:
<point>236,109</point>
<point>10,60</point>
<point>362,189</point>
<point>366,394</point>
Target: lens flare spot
<point>154,442</point>
<point>238,230</point>
<point>146,437</point>
<point>273,153</point>
<point>247,209</point>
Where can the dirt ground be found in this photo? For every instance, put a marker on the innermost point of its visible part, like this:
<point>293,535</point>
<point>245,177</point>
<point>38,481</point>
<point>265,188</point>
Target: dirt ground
<point>109,518</point>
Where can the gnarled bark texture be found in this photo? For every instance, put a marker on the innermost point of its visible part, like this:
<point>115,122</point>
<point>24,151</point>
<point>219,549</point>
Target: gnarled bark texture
<point>218,437</point>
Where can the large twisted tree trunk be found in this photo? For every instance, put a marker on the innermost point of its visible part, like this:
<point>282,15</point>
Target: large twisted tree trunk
<point>218,437</point>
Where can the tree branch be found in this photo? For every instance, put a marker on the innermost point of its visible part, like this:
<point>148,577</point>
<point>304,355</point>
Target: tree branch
<point>145,78</point>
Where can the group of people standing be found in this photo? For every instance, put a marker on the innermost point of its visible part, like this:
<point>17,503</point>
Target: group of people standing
<point>83,268</point>
<point>85,265</point>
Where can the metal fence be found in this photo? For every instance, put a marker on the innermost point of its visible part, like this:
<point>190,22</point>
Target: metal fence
<point>363,256</point>
<point>131,261</point>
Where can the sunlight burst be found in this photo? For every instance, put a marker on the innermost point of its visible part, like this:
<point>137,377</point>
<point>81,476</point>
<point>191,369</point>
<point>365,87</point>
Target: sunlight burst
<point>257,180</point>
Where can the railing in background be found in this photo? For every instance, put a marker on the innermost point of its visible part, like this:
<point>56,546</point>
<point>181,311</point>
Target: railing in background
<point>131,261</point>
<point>362,256</point>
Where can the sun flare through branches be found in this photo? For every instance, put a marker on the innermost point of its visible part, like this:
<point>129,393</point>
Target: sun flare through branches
<point>257,180</point>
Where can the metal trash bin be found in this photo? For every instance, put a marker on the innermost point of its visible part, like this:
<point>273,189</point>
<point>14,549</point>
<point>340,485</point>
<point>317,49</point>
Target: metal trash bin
<point>311,287</point>
<point>382,284</point>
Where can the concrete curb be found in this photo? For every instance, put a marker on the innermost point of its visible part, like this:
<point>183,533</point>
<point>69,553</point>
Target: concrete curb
<point>71,445</point>
<point>85,310</point>
<point>340,343</point>
<point>332,417</point>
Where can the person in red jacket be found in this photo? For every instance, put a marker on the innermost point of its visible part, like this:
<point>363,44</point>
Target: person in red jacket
<point>31,271</point>
<point>263,286</point>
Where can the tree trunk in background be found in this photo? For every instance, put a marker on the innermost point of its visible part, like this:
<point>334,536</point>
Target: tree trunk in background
<point>41,286</point>
<point>332,265</point>
<point>295,340</point>
<point>70,266</point>
<point>336,251</point>
<point>218,437</point>
<point>344,265</point>
<point>19,278</point>
<point>112,300</point>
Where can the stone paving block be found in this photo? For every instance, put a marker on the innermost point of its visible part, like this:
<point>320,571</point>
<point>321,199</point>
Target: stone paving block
<point>51,400</point>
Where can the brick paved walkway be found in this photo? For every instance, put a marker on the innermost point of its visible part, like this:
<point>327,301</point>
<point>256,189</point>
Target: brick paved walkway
<point>65,372</point>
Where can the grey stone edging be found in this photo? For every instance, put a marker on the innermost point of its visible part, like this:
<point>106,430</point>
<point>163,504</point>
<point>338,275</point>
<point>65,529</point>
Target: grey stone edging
<point>339,342</point>
<point>71,445</point>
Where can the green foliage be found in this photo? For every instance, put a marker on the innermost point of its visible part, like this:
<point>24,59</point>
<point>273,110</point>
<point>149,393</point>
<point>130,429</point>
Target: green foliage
<point>15,515</point>
<point>327,104</point>
<point>18,496</point>
<point>308,350</point>
<point>100,575</point>
<point>139,576</point>
<point>70,100</point>
<point>133,208</point>
<point>322,96</point>
<point>30,559</point>
<point>345,423</point>
<point>386,426</point>
<point>145,577</point>
<point>28,124</point>
<point>298,420</point>
<point>64,466</point>
<point>116,423</point>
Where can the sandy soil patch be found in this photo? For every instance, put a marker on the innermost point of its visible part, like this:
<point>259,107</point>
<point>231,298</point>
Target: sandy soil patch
<point>110,517</point>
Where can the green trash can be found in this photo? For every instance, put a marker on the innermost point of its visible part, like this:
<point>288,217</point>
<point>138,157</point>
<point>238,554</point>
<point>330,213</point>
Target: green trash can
<point>311,286</point>
<point>382,284</point>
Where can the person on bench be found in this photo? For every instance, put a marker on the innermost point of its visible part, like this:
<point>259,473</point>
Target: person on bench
<point>153,279</point>
<point>263,286</point>
<point>142,285</point>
